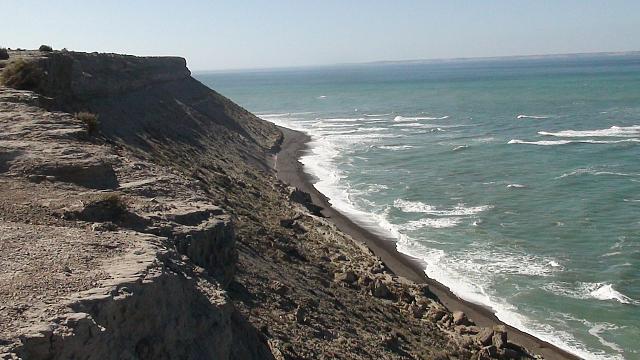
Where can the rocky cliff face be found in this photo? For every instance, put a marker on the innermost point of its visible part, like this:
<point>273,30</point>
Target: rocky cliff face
<point>105,253</point>
<point>165,234</point>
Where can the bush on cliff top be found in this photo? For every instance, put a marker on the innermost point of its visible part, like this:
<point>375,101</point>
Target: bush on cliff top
<point>22,75</point>
<point>4,54</point>
<point>90,120</point>
<point>46,48</point>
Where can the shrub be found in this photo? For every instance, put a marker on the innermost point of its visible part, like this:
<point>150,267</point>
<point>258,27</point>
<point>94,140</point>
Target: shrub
<point>4,55</point>
<point>46,48</point>
<point>22,75</point>
<point>90,120</point>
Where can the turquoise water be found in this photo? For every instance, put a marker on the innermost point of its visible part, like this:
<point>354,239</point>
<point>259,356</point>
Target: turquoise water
<point>516,182</point>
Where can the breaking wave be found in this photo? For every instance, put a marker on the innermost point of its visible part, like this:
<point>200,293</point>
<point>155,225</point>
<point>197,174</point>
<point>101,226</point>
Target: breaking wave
<point>599,291</point>
<point>419,207</point>
<point>522,116</point>
<point>566,142</point>
<point>417,118</point>
<point>614,131</point>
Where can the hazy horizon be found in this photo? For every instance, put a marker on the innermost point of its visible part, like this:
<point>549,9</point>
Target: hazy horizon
<point>428,60</point>
<point>217,35</point>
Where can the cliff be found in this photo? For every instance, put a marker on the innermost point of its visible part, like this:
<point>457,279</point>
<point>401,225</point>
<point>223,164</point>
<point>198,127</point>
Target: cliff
<point>161,231</point>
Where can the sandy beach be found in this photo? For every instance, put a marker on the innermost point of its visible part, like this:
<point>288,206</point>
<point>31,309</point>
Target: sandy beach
<point>290,171</point>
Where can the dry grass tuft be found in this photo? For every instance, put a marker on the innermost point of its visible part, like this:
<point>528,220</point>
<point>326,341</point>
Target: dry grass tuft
<point>90,120</point>
<point>22,75</point>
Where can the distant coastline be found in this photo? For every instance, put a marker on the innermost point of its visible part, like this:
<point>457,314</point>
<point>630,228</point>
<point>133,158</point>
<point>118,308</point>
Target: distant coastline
<point>433,61</point>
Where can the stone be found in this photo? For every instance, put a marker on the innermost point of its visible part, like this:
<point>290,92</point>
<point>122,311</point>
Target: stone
<point>416,311</point>
<point>499,339</point>
<point>460,318</point>
<point>390,341</point>
<point>487,352</point>
<point>499,336</point>
<point>279,288</point>
<point>380,290</point>
<point>509,354</point>
<point>484,337</point>
<point>436,314</point>
<point>347,277</point>
<point>103,227</point>
<point>300,315</point>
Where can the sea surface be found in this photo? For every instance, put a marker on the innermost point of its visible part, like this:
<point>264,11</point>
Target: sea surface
<point>515,182</point>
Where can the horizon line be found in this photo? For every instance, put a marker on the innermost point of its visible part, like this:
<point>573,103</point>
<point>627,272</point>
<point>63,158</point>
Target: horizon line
<point>425,60</point>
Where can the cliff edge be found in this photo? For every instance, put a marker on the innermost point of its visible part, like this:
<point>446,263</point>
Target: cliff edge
<point>141,219</point>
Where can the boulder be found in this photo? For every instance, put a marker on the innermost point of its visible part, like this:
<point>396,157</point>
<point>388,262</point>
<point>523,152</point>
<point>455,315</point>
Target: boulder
<point>484,337</point>
<point>416,311</point>
<point>380,290</point>
<point>390,341</point>
<point>487,352</point>
<point>347,276</point>
<point>499,336</point>
<point>460,318</point>
<point>436,314</point>
<point>499,339</point>
<point>300,315</point>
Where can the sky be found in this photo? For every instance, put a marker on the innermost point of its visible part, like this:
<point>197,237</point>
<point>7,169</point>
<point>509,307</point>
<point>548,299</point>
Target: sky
<point>236,34</point>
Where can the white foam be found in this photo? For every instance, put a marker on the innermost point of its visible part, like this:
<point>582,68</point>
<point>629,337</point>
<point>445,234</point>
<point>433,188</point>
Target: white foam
<point>395,147</point>
<point>437,223</point>
<point>584,291</point>
<point>321,161</point>
<point>599,328</point>
<point>419,207</point>
<point>614,131</point>
<point>344,119</point>
<point>522,116</point>
<point>592,171</point>
<point>416,118</point>
<point>460,147</point>
<point>607,292</point>
<point>565,142</point>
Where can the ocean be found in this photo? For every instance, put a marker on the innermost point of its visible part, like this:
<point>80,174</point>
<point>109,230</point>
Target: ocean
<point>516,182</point>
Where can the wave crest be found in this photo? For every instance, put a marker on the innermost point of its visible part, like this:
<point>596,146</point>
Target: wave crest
<point>419,207</point>
<point>614,131</point>
<point>417,118</point>
<point>522,116</point>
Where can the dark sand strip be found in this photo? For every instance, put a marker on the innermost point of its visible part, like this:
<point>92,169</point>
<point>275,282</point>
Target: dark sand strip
<point>290,171</point>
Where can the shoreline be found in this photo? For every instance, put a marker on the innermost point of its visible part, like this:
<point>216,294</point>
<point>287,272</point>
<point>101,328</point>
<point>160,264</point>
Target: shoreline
<point>290,171</point>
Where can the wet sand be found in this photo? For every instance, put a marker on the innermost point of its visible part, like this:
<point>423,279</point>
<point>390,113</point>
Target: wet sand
<point>290,171</point>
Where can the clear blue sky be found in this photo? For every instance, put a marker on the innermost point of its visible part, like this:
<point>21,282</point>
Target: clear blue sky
<point>278,33</point>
